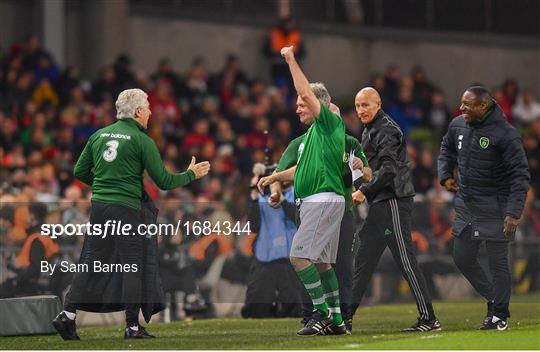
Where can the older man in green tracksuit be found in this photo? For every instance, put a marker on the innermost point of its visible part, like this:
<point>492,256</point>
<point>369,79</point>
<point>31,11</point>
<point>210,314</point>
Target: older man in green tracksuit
<point>319,185</point>
<point>112,163</point>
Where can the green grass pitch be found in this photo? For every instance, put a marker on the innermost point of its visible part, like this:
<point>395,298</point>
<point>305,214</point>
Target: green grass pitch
<point>374,328</point>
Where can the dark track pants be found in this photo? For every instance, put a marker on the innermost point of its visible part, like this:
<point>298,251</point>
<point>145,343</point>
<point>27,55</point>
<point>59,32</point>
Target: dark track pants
<point>497,289</point>
<point>96,248</point>
<point>269,283</point>
<point>389,224</point>
<point>343,268</point>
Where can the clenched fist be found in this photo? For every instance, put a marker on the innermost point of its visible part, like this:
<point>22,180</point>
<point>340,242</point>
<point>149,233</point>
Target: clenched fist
<point>200,169</point>
<point>451,185</point>
<point>358,197</point>
<point>287,53</point>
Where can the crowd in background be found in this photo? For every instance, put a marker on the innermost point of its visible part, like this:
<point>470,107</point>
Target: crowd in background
<point>48,112</point>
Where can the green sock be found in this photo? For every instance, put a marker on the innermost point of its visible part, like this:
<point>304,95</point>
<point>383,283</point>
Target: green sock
<point>312,281</point>
<point>331,290</point>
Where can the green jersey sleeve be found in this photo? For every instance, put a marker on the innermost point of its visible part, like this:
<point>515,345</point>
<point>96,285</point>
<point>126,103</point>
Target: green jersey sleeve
<point>85,163</point>
<point>352,144</point>
<point>328,120</point>
<point>154,165</point>
<point>289,158</point>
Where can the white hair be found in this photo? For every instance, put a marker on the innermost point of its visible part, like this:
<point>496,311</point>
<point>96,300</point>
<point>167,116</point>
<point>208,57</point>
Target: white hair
<point>321,93</point>
<point>128,101</point>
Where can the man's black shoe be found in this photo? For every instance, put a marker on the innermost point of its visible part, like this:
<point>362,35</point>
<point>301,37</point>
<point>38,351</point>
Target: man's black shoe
<point>424,326</point>
<point>500,325</point>
<point>140,333</point>
<point>304,321</point>
<point>316,325</point>
<point>334,329</point>
<point>348,325</point>
<point>489,314</point>
<point>65,327</point>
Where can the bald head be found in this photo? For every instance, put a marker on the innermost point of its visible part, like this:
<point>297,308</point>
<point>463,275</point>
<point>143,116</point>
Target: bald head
<point>367,103</point>
<point>369,93</point>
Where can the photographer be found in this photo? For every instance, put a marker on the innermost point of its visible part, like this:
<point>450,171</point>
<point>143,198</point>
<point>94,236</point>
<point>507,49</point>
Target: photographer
<point>271,270</point>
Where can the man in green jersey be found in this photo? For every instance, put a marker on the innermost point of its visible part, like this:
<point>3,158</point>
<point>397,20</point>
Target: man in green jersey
<point>319,185</point>
<point>112,163</point>
<point>353,159</point>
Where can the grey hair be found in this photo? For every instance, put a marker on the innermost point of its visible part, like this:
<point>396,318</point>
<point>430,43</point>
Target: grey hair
<point>128,101</point>
<point>321,93</point>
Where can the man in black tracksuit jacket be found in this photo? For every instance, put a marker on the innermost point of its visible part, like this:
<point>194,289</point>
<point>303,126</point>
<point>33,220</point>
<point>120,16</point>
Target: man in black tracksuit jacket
<point>390,196</point>
<point>492,182</point>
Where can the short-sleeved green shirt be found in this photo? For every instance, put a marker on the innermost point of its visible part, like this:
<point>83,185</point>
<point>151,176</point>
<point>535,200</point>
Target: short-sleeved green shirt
<point>352,147</point>
<point>320,160</point>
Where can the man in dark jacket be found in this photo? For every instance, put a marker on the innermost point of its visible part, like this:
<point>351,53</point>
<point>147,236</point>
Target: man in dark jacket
<point>112,163</point>
<point>390,196</point>
<point>492,183</point>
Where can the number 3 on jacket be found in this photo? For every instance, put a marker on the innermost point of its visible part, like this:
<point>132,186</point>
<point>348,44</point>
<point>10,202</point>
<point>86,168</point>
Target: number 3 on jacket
<point>110,153</point>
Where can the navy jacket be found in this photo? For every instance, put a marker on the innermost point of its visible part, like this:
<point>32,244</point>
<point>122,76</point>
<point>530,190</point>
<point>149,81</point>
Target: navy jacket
<point>492,173</point>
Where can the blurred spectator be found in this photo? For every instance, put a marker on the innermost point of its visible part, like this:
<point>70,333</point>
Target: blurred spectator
<point>225,83</point>
<point>33,53</point>
<point>196,139</point>
<point>378,82</point>
<point>274,289</point>
<point>526,109</point>
<point>424,173</point>
<point>165,71</point>
<point>123,71</point>
<point>504,102</point>
<point>106,86</point>
<point>35,249</point>
<point>405,111</point>
<point>422,88</point>
<point>392,78</point>
<point>438,115</point>
<point>531,143</point>
<point>284,34</point>
<point>510,90</point>
<point>195,88</point>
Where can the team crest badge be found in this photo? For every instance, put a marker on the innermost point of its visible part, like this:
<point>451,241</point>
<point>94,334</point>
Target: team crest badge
<point>484,142</point>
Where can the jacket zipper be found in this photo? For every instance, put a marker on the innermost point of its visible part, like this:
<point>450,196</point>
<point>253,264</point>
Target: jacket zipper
<point>469,147</point>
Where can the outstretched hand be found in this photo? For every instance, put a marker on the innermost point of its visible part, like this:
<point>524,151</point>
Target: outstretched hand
<point>358,197</point>
<point>200,169</point>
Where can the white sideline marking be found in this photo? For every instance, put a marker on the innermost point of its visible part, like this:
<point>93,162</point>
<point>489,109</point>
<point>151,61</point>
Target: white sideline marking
<point>430,336</point>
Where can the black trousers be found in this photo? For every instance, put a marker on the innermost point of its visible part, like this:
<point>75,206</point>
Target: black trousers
<point>129,249</point>
<point>343,268</point>
<point>389,224</point>
<point>497,289</point>
<point>273,290</point>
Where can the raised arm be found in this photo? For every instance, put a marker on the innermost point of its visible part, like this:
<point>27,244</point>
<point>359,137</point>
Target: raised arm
<point>301,83</point>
